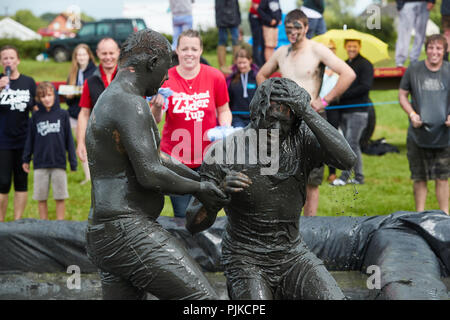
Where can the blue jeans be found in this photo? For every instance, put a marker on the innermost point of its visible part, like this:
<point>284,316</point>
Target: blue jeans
<point>180,24</point>
<point>353,125</point>
<point>316,27</point>
<point>414,15</point>
<point>180,204</point>
<point>257,39</point>
<point>239,122</point>
<point>223,36</point>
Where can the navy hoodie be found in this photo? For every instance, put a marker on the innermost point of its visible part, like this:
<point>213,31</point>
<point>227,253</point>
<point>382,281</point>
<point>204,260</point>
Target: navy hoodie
<point>49,136</point>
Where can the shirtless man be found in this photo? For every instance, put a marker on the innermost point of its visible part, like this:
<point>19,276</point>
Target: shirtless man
<point>262,250</point>
<point>304,61</point>
<point>134,253</point>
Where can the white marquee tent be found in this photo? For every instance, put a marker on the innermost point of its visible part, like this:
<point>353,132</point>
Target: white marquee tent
<point>13,29</point>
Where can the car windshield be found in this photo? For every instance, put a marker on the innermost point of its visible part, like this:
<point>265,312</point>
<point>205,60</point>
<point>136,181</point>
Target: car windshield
<point>140,25</point>
<point>87,30</point>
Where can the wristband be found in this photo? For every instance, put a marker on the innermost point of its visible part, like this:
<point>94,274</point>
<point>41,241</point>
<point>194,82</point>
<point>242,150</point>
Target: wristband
<point>324,102</point>
<point>412,113</point>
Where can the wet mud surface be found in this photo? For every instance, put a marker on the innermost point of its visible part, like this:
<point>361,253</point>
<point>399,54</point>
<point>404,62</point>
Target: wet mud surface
<point>53,286</point>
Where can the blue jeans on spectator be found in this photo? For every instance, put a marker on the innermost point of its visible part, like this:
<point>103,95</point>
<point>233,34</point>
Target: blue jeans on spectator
<point>180,24</point>
<point>223,36</point>
<point>180,204</point>
<point>353,125</point>
<point>257,39</point>
<point>239,122</point>
<point>316,27</point>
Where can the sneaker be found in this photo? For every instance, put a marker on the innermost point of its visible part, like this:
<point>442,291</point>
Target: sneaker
<point>338,182</point>
<point>354,181</point>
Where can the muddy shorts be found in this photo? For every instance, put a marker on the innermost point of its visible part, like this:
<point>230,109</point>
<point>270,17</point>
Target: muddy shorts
<point>316,176</point>
<point>428,163</point>
<point>137,255</point>
<point>42,179</point>
<point>301,277</point>
<point>270,36</point>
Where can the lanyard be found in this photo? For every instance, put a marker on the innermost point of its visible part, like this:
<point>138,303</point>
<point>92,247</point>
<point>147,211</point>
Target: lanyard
<point>244,81</point>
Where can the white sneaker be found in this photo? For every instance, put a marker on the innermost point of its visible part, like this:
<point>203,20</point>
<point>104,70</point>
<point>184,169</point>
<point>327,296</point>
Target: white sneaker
<point>354,181</point>
<point>338,182</point>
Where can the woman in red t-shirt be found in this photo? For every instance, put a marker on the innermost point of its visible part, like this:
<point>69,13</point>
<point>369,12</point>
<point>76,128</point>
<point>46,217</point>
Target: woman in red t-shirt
<point>199,102</point>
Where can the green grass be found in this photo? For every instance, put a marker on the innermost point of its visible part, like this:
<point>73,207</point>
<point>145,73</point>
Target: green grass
<point>387,187</point>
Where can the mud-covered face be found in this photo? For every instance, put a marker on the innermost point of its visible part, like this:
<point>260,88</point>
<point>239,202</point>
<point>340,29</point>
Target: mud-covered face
<point>295,31</point>
<point>279,117</point>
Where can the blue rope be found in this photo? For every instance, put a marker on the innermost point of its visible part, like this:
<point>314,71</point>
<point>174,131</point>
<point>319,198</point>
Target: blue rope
<point>340,106</point>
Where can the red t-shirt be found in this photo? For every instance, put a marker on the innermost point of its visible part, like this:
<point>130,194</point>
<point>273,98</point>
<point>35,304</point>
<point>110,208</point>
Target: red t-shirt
<point>85,100</point>
<point>191,113</point>
<point>252,10</point>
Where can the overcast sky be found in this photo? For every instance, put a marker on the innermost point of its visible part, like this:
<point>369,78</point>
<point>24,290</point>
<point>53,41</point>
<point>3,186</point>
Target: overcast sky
<point>106,8</point>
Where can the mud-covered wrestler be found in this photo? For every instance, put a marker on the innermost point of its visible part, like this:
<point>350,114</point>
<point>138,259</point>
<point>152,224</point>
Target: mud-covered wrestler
<point>262,250</point>
<point>130,176</point>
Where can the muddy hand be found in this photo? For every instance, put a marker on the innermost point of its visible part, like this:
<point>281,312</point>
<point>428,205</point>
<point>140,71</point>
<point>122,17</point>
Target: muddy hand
<point>235,182</point>
<point>209,189</point>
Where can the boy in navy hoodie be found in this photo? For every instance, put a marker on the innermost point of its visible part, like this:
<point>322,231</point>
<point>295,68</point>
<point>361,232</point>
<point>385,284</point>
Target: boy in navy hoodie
<point>49,136</point>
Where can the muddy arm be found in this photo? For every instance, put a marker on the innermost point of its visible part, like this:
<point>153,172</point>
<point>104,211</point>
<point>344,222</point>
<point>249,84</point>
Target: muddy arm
<point>178,167</point>
<point>198,217</point>
<point>339,153</point>
<point>138,135</point>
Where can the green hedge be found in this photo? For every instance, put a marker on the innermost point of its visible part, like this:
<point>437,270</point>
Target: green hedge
<point>27,49</point>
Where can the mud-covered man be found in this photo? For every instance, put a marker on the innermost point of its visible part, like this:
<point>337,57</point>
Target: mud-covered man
<point>130,176</point>
<point>262,250</point>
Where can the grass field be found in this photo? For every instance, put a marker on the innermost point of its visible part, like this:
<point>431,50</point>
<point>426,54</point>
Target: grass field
<point>387,185</point>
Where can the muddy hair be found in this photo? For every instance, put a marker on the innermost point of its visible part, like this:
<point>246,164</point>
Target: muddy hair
<point>296,15</point>
<point>261,100</point>
<point>141,46</point>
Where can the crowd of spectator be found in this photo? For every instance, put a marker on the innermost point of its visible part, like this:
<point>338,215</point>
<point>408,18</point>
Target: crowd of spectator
<point>197,97</point>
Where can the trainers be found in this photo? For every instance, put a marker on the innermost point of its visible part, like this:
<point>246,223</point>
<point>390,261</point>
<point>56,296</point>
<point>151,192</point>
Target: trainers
<point>354,181</point>
<point>338,182</point>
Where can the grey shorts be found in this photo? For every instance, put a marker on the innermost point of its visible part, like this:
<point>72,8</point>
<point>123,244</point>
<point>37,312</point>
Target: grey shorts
<point>316,176</point>
<point>428,163</point>
<point>137,255</point>
<point>42,179</point>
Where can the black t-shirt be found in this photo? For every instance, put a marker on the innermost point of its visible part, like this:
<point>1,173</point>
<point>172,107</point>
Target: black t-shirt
<point>15,106</point>
<point>430,99</point>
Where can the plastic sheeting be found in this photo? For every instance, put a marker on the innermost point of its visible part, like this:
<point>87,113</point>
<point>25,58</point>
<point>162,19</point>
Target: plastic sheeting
<point>411,249</point>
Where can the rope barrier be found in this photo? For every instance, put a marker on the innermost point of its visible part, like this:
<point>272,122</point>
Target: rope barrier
<point>340,106</point>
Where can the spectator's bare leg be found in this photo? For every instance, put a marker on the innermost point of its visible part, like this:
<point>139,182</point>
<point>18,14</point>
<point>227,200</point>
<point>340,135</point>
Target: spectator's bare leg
<point>3,206</point>
<point>20,202</point>
<point>312,201</point>
<point>43,209</point>
<point>420,194</point>
<point>60,209</point>
<point>442,194</point>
